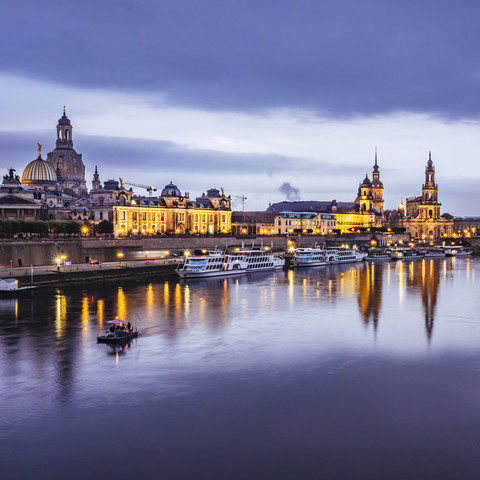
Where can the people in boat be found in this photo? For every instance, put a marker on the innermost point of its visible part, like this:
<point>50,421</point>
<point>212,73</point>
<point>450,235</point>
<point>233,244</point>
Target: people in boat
<point>129,326</point>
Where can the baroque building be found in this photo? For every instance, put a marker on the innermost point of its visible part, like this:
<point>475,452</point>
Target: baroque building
<point>421,218</point>
<point>66,162</point>
<point>170,213</point>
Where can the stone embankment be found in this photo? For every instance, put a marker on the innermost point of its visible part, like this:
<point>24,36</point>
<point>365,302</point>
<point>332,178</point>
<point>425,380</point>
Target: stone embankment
<point>81,273</point>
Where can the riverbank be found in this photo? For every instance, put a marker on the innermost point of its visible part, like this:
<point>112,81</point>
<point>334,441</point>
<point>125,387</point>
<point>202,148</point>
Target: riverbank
<point>81,273</point>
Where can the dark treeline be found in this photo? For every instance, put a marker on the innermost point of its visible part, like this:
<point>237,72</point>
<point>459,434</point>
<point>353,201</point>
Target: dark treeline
<point>40,228</point>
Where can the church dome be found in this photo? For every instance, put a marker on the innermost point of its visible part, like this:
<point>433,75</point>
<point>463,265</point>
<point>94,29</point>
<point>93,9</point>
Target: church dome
<point>64,120</point>
<point>366,181</point>
<point>171,190</point>
<point>39,172</point>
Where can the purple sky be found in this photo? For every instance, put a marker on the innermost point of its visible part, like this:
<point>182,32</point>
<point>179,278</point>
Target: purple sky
<point>250,95</point>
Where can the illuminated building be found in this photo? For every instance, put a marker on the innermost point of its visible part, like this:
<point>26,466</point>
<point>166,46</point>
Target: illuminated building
<point>170,213</point>
<point>305,222</point>
<point>422,217</point>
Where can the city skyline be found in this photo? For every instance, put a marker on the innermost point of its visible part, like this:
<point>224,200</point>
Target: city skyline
<point>251,97</point>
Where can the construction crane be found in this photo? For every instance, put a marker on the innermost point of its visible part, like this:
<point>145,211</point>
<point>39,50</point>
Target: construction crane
<point>148,188</point>
<point>243,197</point>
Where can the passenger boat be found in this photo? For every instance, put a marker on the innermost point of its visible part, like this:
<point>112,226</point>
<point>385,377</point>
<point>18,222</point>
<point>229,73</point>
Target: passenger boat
<point>406,254</point>
<point>457,251</point>
<point>212,264</point>
<point>435,253</point>
<point>309,257</point>
<point>118,332</point>
<point>312,257</point>
<point>261,260</point>
<point>378,255</point>
<point>344,255</point>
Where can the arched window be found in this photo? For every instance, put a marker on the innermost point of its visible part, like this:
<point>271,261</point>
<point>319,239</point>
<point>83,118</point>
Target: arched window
<point>430,213</point>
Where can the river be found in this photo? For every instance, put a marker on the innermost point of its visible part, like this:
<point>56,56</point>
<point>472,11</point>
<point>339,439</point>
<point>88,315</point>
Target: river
<point>365,371</point>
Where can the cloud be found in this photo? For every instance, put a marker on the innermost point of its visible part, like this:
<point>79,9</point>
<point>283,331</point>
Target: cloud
<point>291,193</point>
<point>337,59</point>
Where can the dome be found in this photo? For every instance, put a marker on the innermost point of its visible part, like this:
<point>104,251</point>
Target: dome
<point>366,181</point>
<point>171,190</point>
<point>39,172</point>
<point>64,120</point>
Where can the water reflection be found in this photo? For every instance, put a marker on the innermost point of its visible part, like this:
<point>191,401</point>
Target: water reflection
<point>369,285</point>
<point>55,330</point>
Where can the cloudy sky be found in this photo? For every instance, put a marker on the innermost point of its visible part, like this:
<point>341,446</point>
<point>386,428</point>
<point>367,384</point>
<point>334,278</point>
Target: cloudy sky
<point>271,99</point>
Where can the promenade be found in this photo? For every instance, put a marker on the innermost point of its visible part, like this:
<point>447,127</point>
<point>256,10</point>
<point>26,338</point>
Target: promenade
<point>81,272</point>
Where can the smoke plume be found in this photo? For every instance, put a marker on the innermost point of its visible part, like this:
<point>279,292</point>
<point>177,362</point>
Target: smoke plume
<point>290,192</point>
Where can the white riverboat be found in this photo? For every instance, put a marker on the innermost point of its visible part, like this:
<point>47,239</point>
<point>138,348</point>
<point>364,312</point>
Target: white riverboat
<point>313,257</point>
<point>344,255</point>
<point>378,256</point>
<point>406,254</point>
<point>438,252</point>
<point>309,257</point>
<point>212,264</point>
<point>457,251</point>
<point>260,260</point>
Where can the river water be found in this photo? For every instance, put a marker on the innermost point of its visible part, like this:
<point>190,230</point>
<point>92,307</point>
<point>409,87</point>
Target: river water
<point>358,371</point>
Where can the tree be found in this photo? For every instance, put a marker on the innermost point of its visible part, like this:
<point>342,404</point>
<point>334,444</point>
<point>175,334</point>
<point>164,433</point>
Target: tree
<point>105,227</point>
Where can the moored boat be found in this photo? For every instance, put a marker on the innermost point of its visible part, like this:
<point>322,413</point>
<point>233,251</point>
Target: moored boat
<point>378,255</point>
<point>312,257</point>
<point>406,254</point>
<point>457,251</point>
<point>212,264</point>
<point>434,253</point>
<point>309,257</point>
<point>260,260</point>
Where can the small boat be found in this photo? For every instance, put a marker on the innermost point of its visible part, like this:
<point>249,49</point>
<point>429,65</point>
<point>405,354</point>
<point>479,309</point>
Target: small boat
<point>378,255</point>
<point>119,332</point>
<point>9,287</point>
<point>457,251</point>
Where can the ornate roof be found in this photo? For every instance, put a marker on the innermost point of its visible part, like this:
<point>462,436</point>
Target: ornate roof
<point>39,172</point>
<point>171,190</point>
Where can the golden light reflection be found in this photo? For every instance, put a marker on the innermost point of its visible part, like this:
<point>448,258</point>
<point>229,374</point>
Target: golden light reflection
<point>85,317</point>
<point>16,310</point>
<point>330,288</point>
<point>85,314</point>
<point>150,297</point>
<point>401,282</point>
<point>166,294</point>
<point>291,289</point>
<point>187,302</point>
<point>150,302</point>
<point>121,304</point>
<point>100,312</point>
<point>60,314</point>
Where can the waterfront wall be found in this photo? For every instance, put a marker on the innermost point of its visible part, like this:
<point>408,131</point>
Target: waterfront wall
<point>44,251</point>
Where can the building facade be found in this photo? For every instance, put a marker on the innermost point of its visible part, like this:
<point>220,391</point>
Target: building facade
<point>423,220</point>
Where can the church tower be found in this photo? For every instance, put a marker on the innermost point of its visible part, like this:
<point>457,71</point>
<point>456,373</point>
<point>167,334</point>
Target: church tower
<point>377,188</point>
<point>429,206</point>
<point>96,183</point>
<point>365,195</point>
<point>66,162</point>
